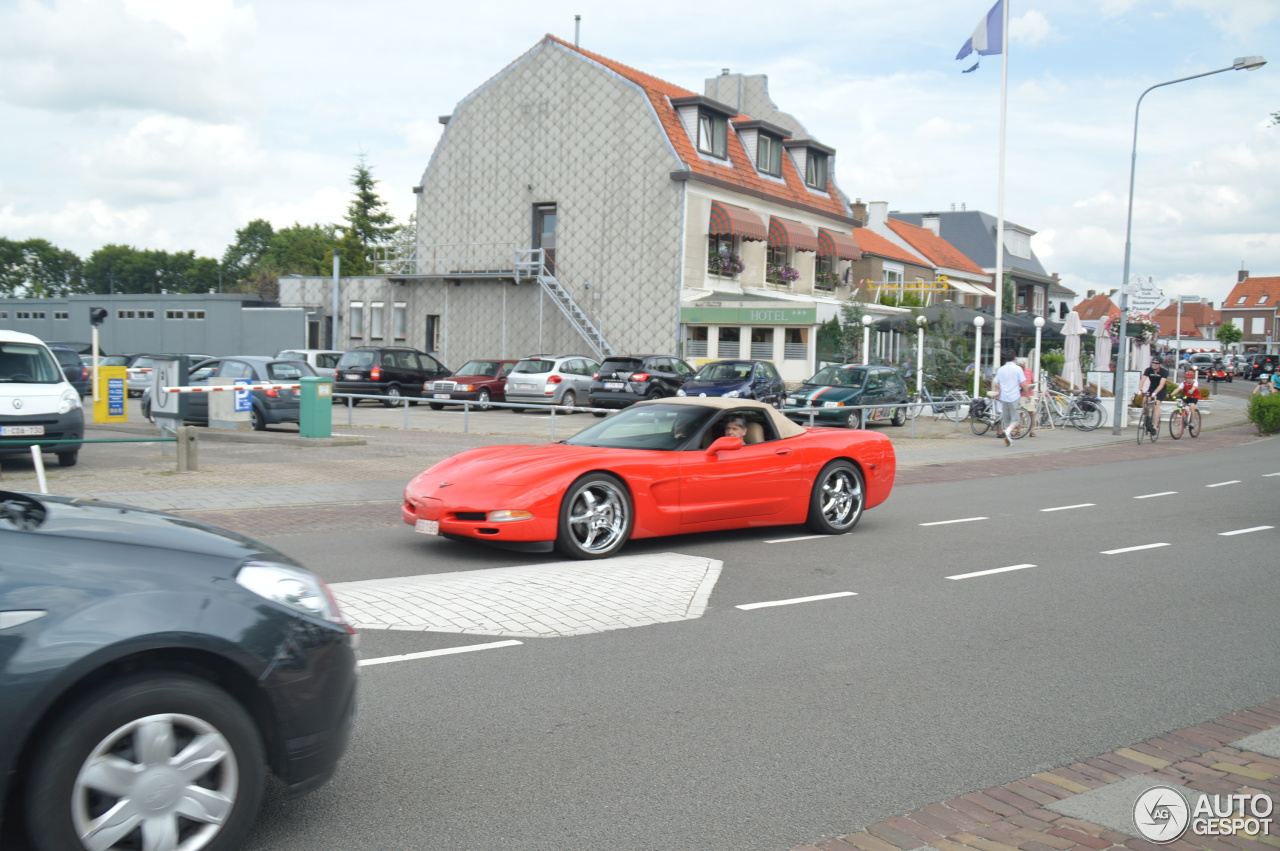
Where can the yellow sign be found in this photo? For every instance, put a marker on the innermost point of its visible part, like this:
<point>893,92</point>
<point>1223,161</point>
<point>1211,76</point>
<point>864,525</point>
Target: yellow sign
<point>111,406</point>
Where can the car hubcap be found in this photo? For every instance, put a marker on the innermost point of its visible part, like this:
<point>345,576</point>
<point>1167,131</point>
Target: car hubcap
<point>841,498</point>
<point>598,517</point>
<point>164,782</point>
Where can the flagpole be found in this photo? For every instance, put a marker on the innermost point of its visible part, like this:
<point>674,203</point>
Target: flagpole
<point>998,358</point>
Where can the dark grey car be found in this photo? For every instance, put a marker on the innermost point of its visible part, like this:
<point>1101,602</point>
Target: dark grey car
<point>270,406</point>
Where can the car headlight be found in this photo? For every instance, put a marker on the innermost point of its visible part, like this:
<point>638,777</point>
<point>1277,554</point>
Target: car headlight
<point>733,394</point>
<point>70,401</point>
<point>680,392</point>
<point>292,587</point>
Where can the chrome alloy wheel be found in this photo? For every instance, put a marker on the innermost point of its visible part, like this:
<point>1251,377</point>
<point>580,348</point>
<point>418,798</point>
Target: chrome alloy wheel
<point>172,777</point>
<point>598,518</point>
<point>841,500</point>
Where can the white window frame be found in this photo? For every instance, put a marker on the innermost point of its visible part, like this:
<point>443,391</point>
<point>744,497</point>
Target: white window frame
<point>400,320</point>
<point>377,319</point>
<point>355,320</point>
<point>1017,243</point>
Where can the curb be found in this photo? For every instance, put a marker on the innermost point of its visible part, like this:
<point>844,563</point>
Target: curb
<point>248,436</point>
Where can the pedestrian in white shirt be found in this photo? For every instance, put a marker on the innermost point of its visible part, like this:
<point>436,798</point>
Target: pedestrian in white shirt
<point>1009,381</point>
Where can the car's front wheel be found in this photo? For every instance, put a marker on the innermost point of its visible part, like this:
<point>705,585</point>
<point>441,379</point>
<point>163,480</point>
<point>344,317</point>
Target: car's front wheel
<point>69,459</point>
<point>836,502</point>
<point>164,762</point>
<point>394,392</point>
<point>854,419</point>
<point>482,400</point>
<point>595,517</point>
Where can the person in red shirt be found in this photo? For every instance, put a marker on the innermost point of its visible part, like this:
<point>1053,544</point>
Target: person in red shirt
<point>1189,389</point>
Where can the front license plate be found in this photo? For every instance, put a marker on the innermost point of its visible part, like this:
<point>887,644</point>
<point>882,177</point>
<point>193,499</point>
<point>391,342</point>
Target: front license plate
<point>21,431</point>
<point>440,396</point>
<point>613,385</point>
<point>352,376</point>
<point>427,527</point>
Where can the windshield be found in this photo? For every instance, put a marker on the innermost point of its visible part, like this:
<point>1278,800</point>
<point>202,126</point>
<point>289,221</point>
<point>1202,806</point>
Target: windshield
<point>351,360</point>
<point>662,427</point>
<point>839,376</point>
<point>287,370</point>
<point>481,368</point>
<point>535,367</point>
<point>24,363</point>
<point>724,372</point>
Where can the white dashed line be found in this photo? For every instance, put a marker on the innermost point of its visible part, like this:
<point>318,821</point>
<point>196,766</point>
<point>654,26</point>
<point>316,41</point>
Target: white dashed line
<point>962,520</point>
<point>1069,507</point>
<point>989,572</point>
<point>1132,549</point>
<point>448,651</point>
<point>801,538</point>
<point>1269,475</point>
<point>1150,495</point>
<point>1246,531</point>
<point>745,606</point>
<point>1220,484</point>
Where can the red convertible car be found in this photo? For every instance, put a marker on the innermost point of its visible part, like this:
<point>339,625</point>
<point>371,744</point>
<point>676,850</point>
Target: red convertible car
<point>665,467</point>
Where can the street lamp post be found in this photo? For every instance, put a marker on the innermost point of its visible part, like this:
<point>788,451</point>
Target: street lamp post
<point>1193,299</point>
<point>977,353</point>
<point>866,339</point>
<point>1035,382</point>
<point>920,323</point>
<point>1244,63</point>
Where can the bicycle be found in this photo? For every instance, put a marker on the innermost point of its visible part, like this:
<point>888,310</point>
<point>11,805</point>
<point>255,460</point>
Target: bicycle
<point>1184,418</point>
<point>1147,426</point>
<point>952,406</point>
<point>1082,411</point>
<point>983,417</point>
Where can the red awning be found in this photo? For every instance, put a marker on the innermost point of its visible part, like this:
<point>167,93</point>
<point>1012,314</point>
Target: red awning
<point>784,233</point>
<point>838,245</point>
<point>736,221</point>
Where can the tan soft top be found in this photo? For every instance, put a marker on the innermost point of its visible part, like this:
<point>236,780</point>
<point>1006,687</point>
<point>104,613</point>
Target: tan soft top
<point>784,426</point>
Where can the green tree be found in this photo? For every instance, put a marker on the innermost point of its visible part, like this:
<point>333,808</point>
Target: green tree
<point>302,250</point>
<point>1229,333</point>
<point>243,256</point>
<point>38,269</point>
<point>369,225</point>
<point>1009,304</point>
<point>125,269</point>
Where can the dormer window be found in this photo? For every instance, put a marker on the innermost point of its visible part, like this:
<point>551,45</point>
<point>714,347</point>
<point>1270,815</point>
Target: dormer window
<point>769,154</point>
<point>707,122</point>
<point>813,160</point>
<point>713,134</point>
<point>1242,299</point>
<point>815,170</point>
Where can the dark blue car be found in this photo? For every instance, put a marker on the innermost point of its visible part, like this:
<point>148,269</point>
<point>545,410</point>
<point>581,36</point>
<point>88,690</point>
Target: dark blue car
<point>153,670</point>
<point>737,379</point>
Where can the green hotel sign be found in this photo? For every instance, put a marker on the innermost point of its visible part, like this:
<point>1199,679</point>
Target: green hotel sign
<point>749,315</point>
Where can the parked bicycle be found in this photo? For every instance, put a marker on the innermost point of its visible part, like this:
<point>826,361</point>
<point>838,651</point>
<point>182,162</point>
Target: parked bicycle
<point>984,413</point>
<point>954,405</point>
<point>1148,428</point>
<point>1184,418</point>
<point>1077,409</point>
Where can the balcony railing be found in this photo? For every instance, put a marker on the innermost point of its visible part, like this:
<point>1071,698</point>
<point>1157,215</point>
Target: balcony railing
<point>470,259</point>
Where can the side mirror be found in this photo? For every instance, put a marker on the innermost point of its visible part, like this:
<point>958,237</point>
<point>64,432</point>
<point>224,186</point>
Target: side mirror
<point>723,444</point>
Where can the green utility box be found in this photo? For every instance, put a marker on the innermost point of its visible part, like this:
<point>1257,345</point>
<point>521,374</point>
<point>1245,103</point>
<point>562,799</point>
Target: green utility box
<point>316,413</point>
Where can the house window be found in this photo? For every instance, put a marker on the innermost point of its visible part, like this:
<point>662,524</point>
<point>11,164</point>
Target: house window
<point>1017,243</point>
<point>794,345</point>
<point>713,134</point>
<point>173,314</point>
<point>126,314</point>
<point>815,170</point>
<point>825,277</point>
<point>730,342</point>
<point>4,314</point>
<point>191,314</point>
<point>375,320</point>
<point>1242,298</point>
<point>762,344</point>
<point>1259,325</point>
<point>22,314</point>
<point>695,341</point>
<point>400,320</point>
<point>721,258</point>
<point>769,154</point>
<point>146,314</point>
<point>1262,300</point>
<point>62,314</point>
<point>356,324</point>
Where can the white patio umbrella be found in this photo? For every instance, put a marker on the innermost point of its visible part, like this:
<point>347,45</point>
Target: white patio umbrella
<point>1101,350</point>
<point>1072,330</point>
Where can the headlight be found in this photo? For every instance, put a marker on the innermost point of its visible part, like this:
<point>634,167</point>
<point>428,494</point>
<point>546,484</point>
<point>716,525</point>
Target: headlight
<point>70,401</point>
<point>292,587</point>
<point>506,515</point>
<point>680,392</point>
<point>733,394</point>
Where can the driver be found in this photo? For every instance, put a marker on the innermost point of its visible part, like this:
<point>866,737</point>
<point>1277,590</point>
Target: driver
<point>736,426</point>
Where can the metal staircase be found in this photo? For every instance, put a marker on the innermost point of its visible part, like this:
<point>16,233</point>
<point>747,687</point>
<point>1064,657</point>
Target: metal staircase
<point>530,264</point>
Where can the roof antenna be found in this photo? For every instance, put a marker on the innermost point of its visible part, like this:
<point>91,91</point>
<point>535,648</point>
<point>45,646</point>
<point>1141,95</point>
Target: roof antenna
<point>577,29</point>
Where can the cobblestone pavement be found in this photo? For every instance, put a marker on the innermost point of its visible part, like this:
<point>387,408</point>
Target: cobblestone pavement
<point>1090,805</point>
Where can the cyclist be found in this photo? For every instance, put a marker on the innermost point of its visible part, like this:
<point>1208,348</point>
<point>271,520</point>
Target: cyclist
<point>1155,378</point>
<point>1189,389</point>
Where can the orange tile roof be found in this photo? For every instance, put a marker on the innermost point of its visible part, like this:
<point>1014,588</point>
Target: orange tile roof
<point>1097,307</point>
<point>935,248</point>
<point>871,242</point>
<point>1253,289</point>
<point>742,173</point>
<point>1193,315</point>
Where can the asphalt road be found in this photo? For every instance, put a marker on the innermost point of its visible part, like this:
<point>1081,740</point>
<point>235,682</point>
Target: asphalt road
<point>766,728</point>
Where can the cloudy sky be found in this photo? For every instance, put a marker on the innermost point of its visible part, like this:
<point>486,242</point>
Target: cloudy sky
<point>171,123</point>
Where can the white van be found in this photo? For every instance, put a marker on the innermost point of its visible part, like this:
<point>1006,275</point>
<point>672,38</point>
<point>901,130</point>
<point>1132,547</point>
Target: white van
<point>36,400</point>
<point>321,360</point>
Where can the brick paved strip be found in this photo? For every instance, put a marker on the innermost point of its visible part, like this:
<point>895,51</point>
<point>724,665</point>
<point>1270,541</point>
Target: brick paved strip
<point>1031,822</point>
<point>1070,786</point>
<point>1223,732</point>
<point>946,815</point>
<point>1013,799</point>
<point>1025,836</point>
<point>865,841</point>
<point>1119,765</point>
<point>1040,846</point>
<point>1161,746</point>
<point>982,799</point>
<point>1046,787</point>
<point>834,845</point>
<point>1245,720</point>
<point>975,841</point>
<point>1227,722</point>
<point>1095,772</point>
<point>910,825</point>
<point>1242,770</point>
<point>1143,758</point>
<point>893,836</point>
<point>1067,772</point>
<point>1081,838</point>
<point>1194,734</point>
<point>949,845</point>
<point>982,814</point>
<point>1019,788</point>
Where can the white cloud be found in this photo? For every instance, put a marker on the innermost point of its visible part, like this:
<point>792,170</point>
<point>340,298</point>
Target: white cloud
<point>1031,28</point>
<point>96,222</point>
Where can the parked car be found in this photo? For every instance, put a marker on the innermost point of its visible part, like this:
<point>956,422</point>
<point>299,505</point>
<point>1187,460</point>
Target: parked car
<point>321,360</point>
<point>73,368</point>
<point>1261,365</point>
<point>36,401</point>
<point>479,381</point>
<point>623,380</point>
<point>139,366</point>
<point>395,371</point>
<point>155,670</point>
<point>665,467</point>
<point>834,389</point>
<point>77,347</point>
<point>269,406</point>
<point>551,380</point>
<point>737,379</point>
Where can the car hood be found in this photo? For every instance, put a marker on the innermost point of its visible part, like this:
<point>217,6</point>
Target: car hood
<point>113,523</point>
<point>519,466</point>
<point>713,388</point>
<point>813,394</point>
<point>35,399</point>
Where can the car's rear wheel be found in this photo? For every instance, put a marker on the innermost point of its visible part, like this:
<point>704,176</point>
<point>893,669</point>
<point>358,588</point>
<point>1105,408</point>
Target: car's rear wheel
<point>899,416</point>
<point>435,406</point>
<point>69,459</point>
<point>568,400</point>
<point>595,517</point>
<point>836,502</point>
<point>517,410</point>
<point>257,420</point>
<point>394,392</point>
<point>165,762</point>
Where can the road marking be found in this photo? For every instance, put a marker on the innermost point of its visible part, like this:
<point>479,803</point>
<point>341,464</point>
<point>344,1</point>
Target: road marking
<point>962,520</point>
<point>448,651</point>
<point>1149,495</point>
<point>746,606</point>
<point>801,538</point>
<point>1246,531</point>
<point>1132,549</point>
<point>1269,475</point>
<point>1220,484</point>
<point>1069,507</point>
<point>989,572</point>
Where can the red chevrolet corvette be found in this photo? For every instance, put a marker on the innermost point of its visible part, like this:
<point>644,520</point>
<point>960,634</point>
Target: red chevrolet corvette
<point>665,467</point>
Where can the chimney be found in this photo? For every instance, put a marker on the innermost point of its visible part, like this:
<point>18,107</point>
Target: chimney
<point>859,211</point>
<point>932,224</point>
<point>1242,276</point>
<point>877,213</point>
<point>1090,294</point>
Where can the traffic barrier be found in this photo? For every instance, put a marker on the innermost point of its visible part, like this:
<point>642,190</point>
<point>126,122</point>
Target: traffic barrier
<point>232,387</point>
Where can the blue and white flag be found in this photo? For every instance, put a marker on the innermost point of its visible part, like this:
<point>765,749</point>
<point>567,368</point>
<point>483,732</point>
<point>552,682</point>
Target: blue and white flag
<point>988,38</point>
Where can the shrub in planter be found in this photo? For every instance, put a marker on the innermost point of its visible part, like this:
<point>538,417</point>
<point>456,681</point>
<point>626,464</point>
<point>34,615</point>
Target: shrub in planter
<point>1264,412</point>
